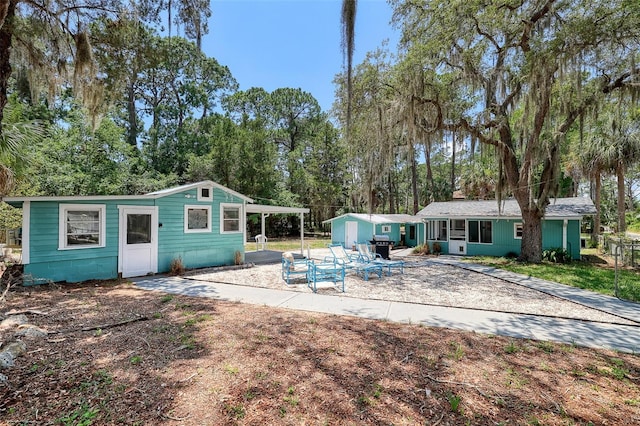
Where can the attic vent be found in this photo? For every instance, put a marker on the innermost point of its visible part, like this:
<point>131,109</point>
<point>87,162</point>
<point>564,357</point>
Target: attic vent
<point>205,194</point>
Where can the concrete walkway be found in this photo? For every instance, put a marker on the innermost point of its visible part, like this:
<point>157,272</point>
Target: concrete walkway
<point>625,338</point>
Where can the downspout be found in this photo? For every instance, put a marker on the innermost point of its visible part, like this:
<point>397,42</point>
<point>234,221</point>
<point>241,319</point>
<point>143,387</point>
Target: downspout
<point>302,234</point>
<point>564,234</point>
<point>244,227</point>
<point>26,234</point>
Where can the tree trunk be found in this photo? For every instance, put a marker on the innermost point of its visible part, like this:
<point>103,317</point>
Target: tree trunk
<point>453,163</point>
<point>531,246</point>
<point>427,159</point>
<point>597,202</point>
<point>132,134</point>
<point>414,180</point>
<point>622,223</point>
<point>6,33</point>
<point>392,195</point>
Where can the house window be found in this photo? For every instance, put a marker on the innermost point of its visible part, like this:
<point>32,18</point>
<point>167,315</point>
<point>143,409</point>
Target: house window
<point>517,230</point>
<point>412,232</point>
<point>81,226</point>
<point>231,218</point>
<point>197,219</point>
<point>386,229</point>
<point>480,231</point>
<point>437,230</point>
<point>138,228</point>
<point>205,193</point>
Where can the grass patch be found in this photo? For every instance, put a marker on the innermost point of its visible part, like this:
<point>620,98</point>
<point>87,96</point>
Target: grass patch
<point>580,274</point>
<point>290,244</point>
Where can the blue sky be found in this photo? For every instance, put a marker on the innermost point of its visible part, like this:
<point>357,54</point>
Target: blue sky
<point>292,43</point>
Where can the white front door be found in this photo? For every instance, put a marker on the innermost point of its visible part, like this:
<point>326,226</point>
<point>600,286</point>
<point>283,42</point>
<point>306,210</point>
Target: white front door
<point>138,241</point>
<point>351,234</point>
<point>458,237</point>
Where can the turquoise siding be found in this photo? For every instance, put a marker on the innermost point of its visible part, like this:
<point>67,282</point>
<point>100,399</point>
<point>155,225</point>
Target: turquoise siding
<point>47,262</point>
<point>338,229</point>
<point>195,249</point>
<point>418,235</point>
<point>504,242</point>
<point>444,246</point>
<point>394,233</point>
<point>366,231</point>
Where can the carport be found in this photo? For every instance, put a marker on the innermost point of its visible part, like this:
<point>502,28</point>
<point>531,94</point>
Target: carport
<point>266,210</point>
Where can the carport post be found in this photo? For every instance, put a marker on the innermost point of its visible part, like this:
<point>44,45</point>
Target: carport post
<point>302,234</point>
<point>262,227</point>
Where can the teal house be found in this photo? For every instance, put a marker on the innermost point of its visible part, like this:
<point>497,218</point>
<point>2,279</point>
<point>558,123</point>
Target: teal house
<point>101,237</point>
<point>486,228</point>
<point>400,229</point>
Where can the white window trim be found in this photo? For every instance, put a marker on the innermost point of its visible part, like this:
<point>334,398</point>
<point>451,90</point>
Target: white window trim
<point>515,230</point>
<point>386,229</point>
<point>188,207</point>
<point>434,228</point>
<point>62,225</point>
<point>240,218</point>
<point>209,198</point>
<point>479,232</point>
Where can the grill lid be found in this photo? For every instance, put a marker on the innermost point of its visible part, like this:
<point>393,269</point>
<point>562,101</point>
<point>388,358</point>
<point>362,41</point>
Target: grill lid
<point>380,238</point>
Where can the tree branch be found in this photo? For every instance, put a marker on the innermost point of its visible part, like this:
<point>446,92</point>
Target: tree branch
<point>528,25</point>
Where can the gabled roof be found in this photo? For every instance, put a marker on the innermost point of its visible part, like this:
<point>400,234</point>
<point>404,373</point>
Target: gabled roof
<point>574,207</point>
<point>150,195</point>
<point>189,186</point>
<point>380,218</point>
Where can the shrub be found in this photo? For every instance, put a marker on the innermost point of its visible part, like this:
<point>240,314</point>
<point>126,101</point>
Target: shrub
<point>421,249</point>
<point>437,248</point>
<point>176,267</point>
<point>556,255</point>
<point>237,258</point>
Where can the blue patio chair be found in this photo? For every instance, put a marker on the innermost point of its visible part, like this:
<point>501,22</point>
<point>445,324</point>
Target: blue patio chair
<point>326,272</point>
<point>367,256</point>
<point>292,268</point>
<point>351,262</point>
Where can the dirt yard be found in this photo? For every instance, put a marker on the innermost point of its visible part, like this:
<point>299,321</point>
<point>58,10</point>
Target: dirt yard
<point>114,354</point>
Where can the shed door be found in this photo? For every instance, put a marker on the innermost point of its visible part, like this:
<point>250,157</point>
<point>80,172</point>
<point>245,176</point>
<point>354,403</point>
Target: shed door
<point>138,241</point>
<point>351,234</point>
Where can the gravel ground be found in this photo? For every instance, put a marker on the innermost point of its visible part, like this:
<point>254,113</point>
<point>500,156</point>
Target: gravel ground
<point>424,281</point>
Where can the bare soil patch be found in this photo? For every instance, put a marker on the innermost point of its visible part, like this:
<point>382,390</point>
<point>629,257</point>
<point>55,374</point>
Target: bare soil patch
<point>115,354</point>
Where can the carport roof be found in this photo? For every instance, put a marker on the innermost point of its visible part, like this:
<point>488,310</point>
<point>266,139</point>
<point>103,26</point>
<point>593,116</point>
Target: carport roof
<point>262,208</point>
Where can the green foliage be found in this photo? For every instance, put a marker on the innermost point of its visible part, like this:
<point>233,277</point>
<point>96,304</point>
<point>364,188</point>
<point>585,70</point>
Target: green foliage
<point>236,412</point>
<point>512,347</point>
<point>556,255</point>
<point>454,402</point>
<point>633,221</point>
<point>82,416</point>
